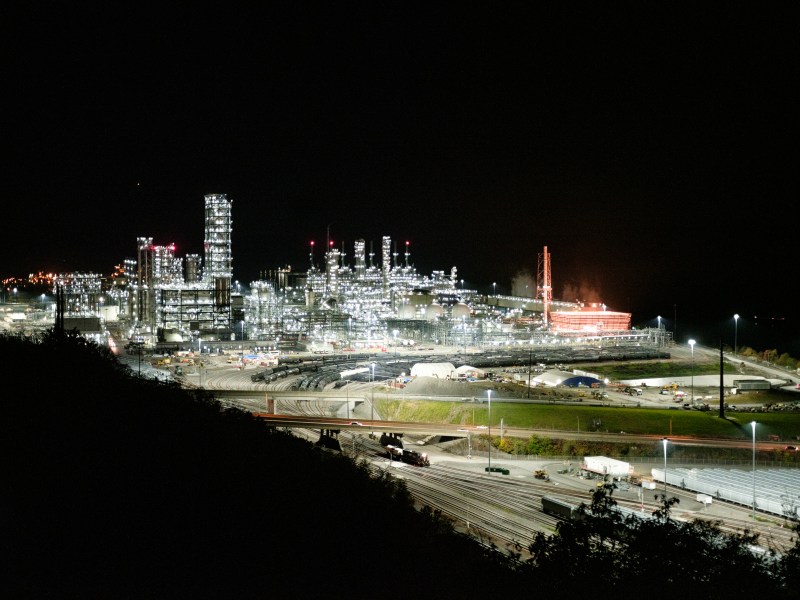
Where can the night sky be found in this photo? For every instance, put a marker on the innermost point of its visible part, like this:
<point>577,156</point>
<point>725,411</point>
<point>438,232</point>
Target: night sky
<point>651,147</point>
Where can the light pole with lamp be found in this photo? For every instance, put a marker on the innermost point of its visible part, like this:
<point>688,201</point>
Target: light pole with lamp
<point>530,359</point>
<point>494,288</point>
<point>394,333</point>
<point>735,334</point>
<point>489,393</point>
<point>242,346</point>
<point>691,345</point>
<point>665,441</point>
<point>464,336</point>
<point>659,330</point>
<point>753,425</point>
<point>372,403</point>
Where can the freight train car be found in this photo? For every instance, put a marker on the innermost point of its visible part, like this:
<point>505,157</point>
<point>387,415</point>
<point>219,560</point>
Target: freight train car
<point>560,508</point>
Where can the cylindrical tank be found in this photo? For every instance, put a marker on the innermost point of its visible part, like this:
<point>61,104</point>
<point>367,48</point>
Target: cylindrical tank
<point>433,311</point>
<point>460,310</point>
<point>407,311</point>
<point>310,297</point>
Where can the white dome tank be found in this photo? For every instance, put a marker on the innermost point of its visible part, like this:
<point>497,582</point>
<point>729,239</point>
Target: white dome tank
<point>433,311</point>
<point>407,311</point>
<point>460,310</point>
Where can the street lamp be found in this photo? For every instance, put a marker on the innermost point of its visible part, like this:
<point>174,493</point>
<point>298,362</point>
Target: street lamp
<point>659,330</point>
<point>394,332</point>
<point>464,335</point>
<point>691,344</point>
<point>494,288</point>
<point>372,403</point>
<point>753,425</point>
<point>242,346</point>
<point>489,392</point>
<point>665,441</point>
<point>530,358</point>
<point>735,334</point>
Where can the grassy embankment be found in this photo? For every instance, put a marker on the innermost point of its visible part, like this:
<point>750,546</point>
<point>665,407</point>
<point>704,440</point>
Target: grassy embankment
<point>572,418</point>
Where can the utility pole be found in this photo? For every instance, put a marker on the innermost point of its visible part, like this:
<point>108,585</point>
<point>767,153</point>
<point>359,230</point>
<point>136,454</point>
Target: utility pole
<point>530,356</point>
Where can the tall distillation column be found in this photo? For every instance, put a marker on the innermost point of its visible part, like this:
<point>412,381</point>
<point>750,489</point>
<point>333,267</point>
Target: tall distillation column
<point>218,256</point>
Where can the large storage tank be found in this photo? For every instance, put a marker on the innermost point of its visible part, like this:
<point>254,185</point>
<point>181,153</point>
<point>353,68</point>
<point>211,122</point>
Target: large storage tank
<point>433,311</point>
<point>460,310</point>
<point>407,311</point>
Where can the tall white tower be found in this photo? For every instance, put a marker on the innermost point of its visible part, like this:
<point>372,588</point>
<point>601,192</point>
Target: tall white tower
<point>218,256</point>
<point>361,264</point>
<point>386,265</point>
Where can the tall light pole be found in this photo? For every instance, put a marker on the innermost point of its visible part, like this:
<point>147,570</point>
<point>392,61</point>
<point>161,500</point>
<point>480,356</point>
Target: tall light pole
<point>753,425</point>
<point>372,403</point>
<point>494,288</point>
<point>464,336</point>
<point>659,330</point>
<point>394,332</point>
<point>735,334</point>
<point>665,441</point>
<point>691,345</point>
<point>530,359</point>
<point>489,392</point>
<point>242,343</point>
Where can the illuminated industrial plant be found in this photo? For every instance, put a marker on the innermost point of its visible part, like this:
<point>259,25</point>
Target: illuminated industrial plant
<point>162,299</point>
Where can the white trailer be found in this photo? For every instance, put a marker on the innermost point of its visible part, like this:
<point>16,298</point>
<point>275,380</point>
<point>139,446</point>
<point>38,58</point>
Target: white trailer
<point>602,465</point>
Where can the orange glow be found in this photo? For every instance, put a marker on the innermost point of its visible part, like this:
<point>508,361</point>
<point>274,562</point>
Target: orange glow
<point>590,321</point>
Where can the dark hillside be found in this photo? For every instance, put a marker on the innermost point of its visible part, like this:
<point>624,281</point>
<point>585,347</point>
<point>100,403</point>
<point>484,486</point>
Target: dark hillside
<point>125,488</point>
<point>118,487</point>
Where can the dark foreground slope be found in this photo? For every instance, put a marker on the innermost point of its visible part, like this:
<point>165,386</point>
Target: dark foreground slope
<point>122,488</point>
<point>118,487</point>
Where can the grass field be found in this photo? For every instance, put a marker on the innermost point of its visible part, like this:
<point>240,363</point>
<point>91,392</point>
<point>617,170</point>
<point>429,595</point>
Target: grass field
<point>646,421</point>
<point>571,417</point>
<point>567,420</point>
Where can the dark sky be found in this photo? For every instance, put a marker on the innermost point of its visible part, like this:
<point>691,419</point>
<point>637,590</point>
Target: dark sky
<point>651,147</point>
